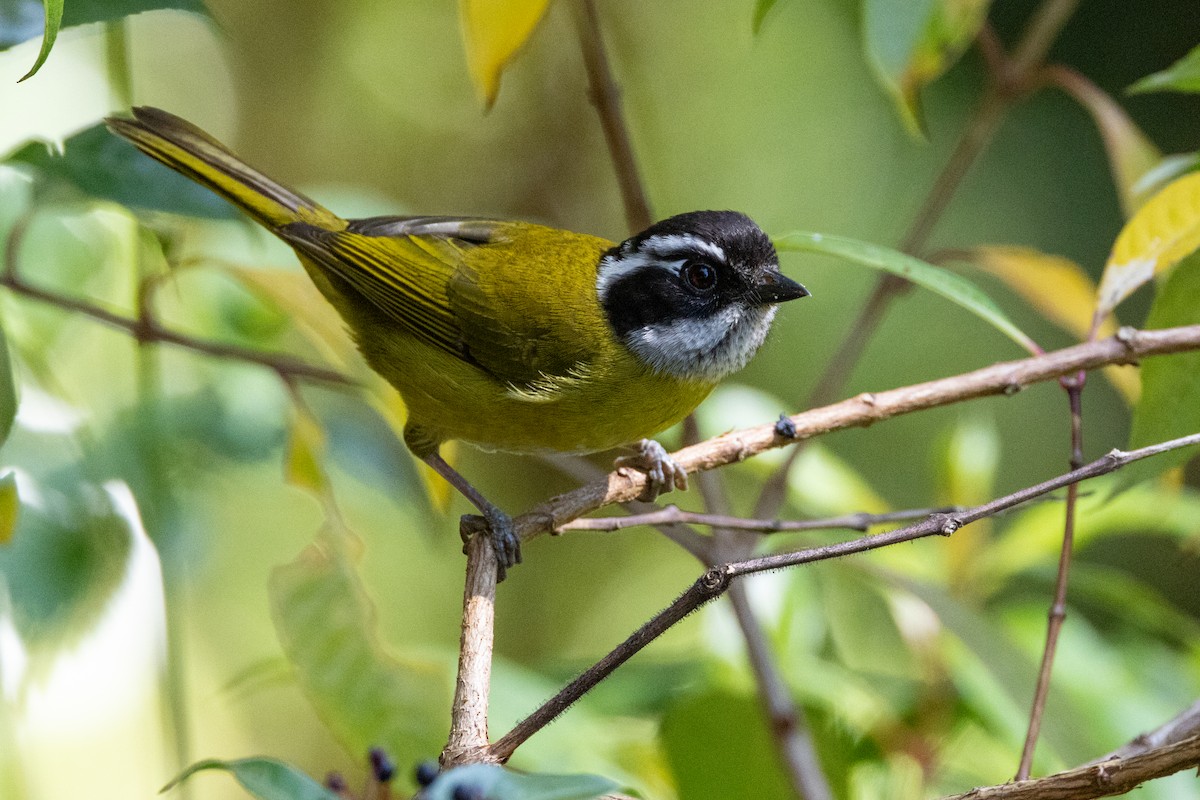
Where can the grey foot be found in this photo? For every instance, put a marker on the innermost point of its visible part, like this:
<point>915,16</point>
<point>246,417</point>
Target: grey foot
<point>662,473</point>
<point>498,527</point>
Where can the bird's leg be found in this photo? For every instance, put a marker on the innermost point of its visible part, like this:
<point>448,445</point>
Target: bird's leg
<point>662,473</point>
<point>500,528</point>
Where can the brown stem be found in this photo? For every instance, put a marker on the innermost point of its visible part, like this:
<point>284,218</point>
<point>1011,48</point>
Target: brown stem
<point>711,584</point>
<point>1108,778</point>
<point>946,524</point>
<point>1058,609</point>
<point>606,96</point>
<point>717,580</point>
<point>468,741</point>
<point>148,329</point>
<point>789,728</point>
<point>672,514</point>
<point>1127,346</point>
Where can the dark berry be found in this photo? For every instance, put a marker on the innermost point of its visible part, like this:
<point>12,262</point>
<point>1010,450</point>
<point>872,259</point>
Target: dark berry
<point>427,771</point>
<point>382,765</point>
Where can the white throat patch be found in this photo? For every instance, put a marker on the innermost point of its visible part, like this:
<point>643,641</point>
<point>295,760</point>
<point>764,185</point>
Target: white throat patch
<point>708,348</point>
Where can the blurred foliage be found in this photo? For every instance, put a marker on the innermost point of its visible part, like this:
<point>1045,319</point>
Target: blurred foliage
<point>297,588</point>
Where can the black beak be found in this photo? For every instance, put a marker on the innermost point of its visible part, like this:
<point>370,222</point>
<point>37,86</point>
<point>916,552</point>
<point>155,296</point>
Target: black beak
<point>778,288</point>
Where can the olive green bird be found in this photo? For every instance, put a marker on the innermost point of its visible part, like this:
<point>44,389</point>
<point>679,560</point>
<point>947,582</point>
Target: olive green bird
<point>514,336</point>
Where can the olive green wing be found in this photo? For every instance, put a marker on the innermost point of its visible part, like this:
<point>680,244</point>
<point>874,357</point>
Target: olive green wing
<point>494,294</point>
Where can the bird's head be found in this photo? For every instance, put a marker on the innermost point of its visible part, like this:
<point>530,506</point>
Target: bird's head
<point>693,296</point>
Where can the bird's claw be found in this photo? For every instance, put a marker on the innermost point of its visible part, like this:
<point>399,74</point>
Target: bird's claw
<point>662,472</point>
<point>498,527</point>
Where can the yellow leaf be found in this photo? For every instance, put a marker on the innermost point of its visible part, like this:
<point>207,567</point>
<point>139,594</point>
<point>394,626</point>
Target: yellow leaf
<point>1061,291</point>
<point>302,465</point>
<point>493,32</point>
<point>1163,232</point>
<point>10,507</point>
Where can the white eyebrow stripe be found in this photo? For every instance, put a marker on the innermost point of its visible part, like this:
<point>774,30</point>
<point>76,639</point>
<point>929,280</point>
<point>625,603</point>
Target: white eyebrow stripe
<point>613,269</point>
<point>666,251</point>
<point>675,244</point>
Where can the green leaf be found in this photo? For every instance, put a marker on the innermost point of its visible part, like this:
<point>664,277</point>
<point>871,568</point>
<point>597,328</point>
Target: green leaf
<point>22,20</point>
<point>498,783</point>
<point>953,287</point>
<point>368,697</point>
<point>761,9</point>
<point>110,168</point>
<point>909,43</point>
<point>1182,76</point>
<point>8,390</point>
<point>53,10</point>
<point>1170,404</point>
<point>265,778</point>
<point>862,627</point>
<point>10,506</point>
<point>65,560</point>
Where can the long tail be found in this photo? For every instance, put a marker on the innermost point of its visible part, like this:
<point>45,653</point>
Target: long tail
<point>186,149</point>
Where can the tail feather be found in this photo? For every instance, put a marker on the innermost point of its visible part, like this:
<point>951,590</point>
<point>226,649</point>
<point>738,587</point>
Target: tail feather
<point>187,149</point>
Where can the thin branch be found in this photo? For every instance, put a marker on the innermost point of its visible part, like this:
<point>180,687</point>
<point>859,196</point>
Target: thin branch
<point>1058,608</point>
<point>149,330</point>
<point>468,740</point>
<point>711,584</point>
<point>1108,778</point>
<point>1128,346</point>
<point>788,725</point>
<point>946,524</point>
<point>714,582</point>
<point>672,514</point>
<point>606,96</point>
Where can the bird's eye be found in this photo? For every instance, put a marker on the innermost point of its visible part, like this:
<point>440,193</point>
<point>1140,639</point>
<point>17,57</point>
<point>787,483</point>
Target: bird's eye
<point>699,275</point>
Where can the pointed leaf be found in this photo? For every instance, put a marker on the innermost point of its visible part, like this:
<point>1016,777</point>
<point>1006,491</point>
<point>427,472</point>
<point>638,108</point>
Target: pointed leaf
<point>1182,76</point>
<point>493,32</point>
<point>1131,155</point>
<point>1170,404</point>
<point>22,20</point>
<point>1164,231</point>
<point>53,10</point>
<point>10,506</point>
<point>909,43</point>
<point>497,783</point>
<point>1060,290</point>
<point>947,284</point>
<point>368,697</point>
<point>265,778</point>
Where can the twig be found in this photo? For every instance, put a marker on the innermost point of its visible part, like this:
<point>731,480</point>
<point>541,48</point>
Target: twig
<point>786,718</point>
<point>1058,608</point>
<point>1127,346</point>
<point>711,584</point>
<point>1112,777</point>
<point>717,580</point>
<point>672,514</point>
<point>150,330</point>
<point>468,740</point>
<point>606,96</point>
